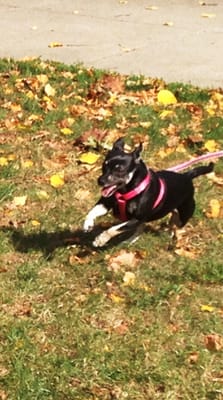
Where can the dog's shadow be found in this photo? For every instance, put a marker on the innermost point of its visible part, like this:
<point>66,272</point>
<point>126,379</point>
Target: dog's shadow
<point>48,242</point>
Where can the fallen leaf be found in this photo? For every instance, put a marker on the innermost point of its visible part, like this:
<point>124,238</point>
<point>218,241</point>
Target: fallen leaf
<point>122,259</point>
<point>89,158</point>
<point>211,145</point>
<point>168,23</point>
<point>116,299</point>
<point>129,278</point>
<point>66,122</point>
<point>55,44</point>
<point>186,253</point>
<point>120,327</point>
<point>214,209</point>
<point>42,78</point>
<point>152,8</point>
<point>42,195</point>
<point>26,164</point>
<point>214,178</point>
<point>213,342</point>
<point>3,161</point>
<point>207,308</point>
<point>145,124</point>
<point>166,113</point>
<point>19,201</point>
<point>11,157</point>
<point>193,357</point>
<point>166,97</point>
<point>49,90</point>
<point>114,83</point>
<point>66,131</point>
<point>34,222</point>
<point>57,180</point>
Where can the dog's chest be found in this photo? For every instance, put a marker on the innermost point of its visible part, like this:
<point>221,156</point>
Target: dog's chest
<point>130,209</point>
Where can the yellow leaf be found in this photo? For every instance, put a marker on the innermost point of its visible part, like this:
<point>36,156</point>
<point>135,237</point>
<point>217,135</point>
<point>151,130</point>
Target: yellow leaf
<point>211,145</point>
<point>49,90</point>
<point>19,201</point>
<point>211,110</point>
<point>116,299</point>
<point>55,44</point>
<point>214,209</point>
<point>57,180</point>
<point>3,161</point>
<point>166,113</point>
<point>42,78</point>
<point>129,278</point>
<point>145,124</point>
<point>66,131</point>
<point>27,163</point>
<point>206,307</point>
<point>34,222</point>
<point>166,97</point>
<point>89,158</point>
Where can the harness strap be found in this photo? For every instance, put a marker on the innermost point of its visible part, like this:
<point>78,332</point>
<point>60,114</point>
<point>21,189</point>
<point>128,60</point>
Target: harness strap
<point>122,198</point>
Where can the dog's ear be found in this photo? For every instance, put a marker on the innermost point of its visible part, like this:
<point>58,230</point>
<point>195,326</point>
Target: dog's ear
<point>136,152</point>
<point>119,144</point>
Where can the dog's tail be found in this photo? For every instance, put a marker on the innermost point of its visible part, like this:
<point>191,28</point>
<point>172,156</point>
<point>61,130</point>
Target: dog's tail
<point>205,169</point>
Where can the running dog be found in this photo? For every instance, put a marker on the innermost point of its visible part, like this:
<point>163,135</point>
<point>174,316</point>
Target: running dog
<point>137,194</point>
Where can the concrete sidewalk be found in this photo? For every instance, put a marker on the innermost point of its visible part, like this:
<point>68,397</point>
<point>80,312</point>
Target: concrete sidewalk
<point>170,39</point>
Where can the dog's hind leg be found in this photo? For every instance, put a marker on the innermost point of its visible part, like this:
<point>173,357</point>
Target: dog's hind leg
<point>185,210</point>
<point>114,231</point>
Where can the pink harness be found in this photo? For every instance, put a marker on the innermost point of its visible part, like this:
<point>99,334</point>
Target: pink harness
<point>123,198</point>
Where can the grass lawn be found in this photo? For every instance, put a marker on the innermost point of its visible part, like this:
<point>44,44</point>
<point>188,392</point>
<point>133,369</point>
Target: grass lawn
<point>135,322</point>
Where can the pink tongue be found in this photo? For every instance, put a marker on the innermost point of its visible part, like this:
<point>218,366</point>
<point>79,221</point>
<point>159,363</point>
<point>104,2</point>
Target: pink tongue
<point>108,191</point>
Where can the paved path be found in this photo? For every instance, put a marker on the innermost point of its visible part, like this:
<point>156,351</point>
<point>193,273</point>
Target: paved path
<point>159,38</point>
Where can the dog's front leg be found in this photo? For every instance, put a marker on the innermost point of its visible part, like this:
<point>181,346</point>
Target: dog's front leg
<point>116,230</point>
<point>97,211</point>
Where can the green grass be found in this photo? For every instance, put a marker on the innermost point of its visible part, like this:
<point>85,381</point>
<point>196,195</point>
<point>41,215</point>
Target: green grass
<point>70,327</point>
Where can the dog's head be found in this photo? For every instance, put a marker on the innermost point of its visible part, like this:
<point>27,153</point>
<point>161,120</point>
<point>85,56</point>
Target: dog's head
<point>118,168</point>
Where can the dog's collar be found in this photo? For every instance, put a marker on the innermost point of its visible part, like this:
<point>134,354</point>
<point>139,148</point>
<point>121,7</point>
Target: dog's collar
<point>122,198</point>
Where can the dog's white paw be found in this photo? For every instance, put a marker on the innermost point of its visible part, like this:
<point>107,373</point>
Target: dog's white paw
<point>88,225</point>
<point>101,239</point>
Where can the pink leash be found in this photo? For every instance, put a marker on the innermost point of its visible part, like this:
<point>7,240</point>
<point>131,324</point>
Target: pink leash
<point>204,157</point>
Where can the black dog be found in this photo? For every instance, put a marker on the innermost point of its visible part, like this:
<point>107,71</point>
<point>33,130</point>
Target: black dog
<point>137,194</point>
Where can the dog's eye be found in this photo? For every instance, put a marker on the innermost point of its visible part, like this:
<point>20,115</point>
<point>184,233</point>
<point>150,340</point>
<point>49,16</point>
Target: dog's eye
<point>119,167</point>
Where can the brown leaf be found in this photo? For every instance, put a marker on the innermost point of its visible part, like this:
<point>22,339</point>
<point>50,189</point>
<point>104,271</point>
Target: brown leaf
<point>193,357</point>
<point>115,83</point>
<point>90,138</point>
<point>216,179</point>
<point>121,327</point>
<point>122,259</point>
<point>213,342</point>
